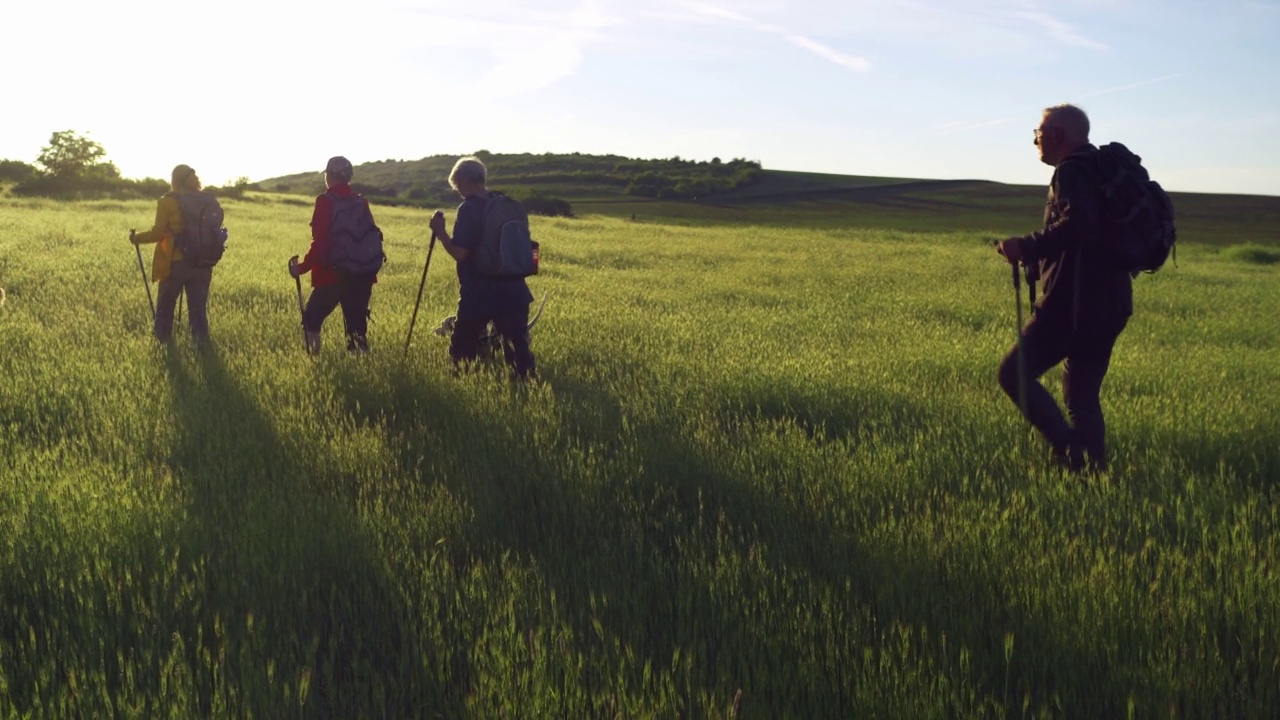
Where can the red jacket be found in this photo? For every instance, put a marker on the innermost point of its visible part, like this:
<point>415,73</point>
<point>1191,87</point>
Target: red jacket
<point>317,260</point>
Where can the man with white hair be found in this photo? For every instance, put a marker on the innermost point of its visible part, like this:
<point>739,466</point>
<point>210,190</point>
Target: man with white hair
<point>1085,303</point>
<point>504,301</point>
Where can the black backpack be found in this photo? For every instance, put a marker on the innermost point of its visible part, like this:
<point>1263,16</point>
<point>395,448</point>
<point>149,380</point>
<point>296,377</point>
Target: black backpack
<point>202,239</point>
<point>506,250</point>
<point>355,242</point>
<point>1136,212</point>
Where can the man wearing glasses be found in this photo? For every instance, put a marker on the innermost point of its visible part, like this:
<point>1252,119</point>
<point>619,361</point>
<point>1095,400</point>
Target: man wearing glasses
<point>1085,300</point>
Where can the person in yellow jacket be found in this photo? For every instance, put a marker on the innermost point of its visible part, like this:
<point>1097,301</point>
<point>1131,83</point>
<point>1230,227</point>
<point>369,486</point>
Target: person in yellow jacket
<point>168,268</point>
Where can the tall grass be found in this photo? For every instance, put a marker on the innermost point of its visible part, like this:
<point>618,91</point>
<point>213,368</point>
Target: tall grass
<point>768,474</point>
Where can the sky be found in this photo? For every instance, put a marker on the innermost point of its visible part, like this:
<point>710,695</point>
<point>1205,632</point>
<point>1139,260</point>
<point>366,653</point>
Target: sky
<point>948,89</point>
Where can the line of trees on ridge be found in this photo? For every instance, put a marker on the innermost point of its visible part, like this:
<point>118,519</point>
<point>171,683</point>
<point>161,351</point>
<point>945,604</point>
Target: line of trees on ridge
<point>73,166</point>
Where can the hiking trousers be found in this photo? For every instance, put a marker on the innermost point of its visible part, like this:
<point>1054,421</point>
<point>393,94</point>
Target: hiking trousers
<point>511,324</point>
<point>195,282</point>
<point>1086,355</point>
<point>352,292</point>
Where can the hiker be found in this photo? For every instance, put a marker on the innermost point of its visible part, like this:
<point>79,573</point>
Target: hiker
<point>1084,304</point>
<point>504,301</point>
<point>175,272</point>
<point>344,259</point>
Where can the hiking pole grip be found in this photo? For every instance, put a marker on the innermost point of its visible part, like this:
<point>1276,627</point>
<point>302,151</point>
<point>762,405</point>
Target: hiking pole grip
<point>421,284</point>
<point>145,284</point>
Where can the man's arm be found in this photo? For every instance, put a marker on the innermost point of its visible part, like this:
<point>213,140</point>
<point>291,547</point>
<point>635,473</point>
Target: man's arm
<point>1077,216</point>
<point>466,233</point>
<point>166,210</point>
<point>455,251</point>
<point>321,218</point>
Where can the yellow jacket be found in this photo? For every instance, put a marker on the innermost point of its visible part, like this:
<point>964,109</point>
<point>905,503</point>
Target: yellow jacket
<point>168,224</point>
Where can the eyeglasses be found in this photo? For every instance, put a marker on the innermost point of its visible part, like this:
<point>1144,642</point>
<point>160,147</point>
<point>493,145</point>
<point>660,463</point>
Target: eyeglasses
<point>1039,132</point>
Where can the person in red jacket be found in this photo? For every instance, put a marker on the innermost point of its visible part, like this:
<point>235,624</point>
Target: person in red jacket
<point>329,286</point>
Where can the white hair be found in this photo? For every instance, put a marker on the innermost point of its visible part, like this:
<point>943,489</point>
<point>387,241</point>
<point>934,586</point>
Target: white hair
<point>1072,120</point>
<point>469,169</point>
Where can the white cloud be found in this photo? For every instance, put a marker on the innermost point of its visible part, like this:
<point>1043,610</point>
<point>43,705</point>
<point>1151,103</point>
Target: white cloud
<point>804,42</point>
<point>835,56</point>
<point>1059,30</point>
<point>1130,86</point>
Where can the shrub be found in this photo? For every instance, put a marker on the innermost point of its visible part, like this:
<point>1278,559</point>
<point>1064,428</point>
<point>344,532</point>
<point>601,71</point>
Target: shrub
<point>59,187</point>
<point>235,190</point>
<point>539,204</point>
<point>71,188</point>
<point>16,170</point>
<point>1253,254</point>
<point>149,187</point>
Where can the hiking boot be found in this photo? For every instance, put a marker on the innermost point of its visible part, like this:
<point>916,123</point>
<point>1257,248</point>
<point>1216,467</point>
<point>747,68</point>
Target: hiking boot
<point>357,344</point>
<point>313,342</point>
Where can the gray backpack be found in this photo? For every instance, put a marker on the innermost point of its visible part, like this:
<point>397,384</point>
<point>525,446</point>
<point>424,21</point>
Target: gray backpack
<point>202,239</point>
<point>355,242</point>
<point>506,249</point>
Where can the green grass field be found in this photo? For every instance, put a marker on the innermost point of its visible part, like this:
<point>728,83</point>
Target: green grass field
<point>769,475</point>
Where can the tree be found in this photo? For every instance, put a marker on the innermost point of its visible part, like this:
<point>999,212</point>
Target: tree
<point>69,155</point>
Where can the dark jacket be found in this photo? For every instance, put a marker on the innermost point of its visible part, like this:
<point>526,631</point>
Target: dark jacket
<point>1078,285</point>
<point>476,292</point>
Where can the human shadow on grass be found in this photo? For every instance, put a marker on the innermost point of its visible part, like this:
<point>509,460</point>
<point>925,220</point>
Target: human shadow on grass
<point>668,544</point>
<point>289,581</point>
<point>960,589</point>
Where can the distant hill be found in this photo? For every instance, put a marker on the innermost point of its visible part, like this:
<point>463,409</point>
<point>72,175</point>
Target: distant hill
<point>816,200</point>
<point>571,176</point>
<point>600,184</point>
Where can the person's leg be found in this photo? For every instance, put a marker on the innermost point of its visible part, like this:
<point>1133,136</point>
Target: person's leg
<point>465,340</point>
<point>1085,368</point>
<point>1043,346</point>
<point>167,300</point>
<point>355,311</point>
<point>197,286</point>
<point>513,326</point>
<point>322,302</point>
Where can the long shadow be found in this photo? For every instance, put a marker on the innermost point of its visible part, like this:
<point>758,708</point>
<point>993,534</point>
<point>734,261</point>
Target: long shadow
<point>287,580</point>
<point>645,536</point>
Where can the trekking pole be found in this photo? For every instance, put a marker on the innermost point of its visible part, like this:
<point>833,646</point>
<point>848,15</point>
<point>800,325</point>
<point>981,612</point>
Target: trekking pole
<point>143,269</point>
<point>302,313</point>
<point>181,292</point>
<point>421,284</point>
<point>1022,360</point>
<point>1033,277</point>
